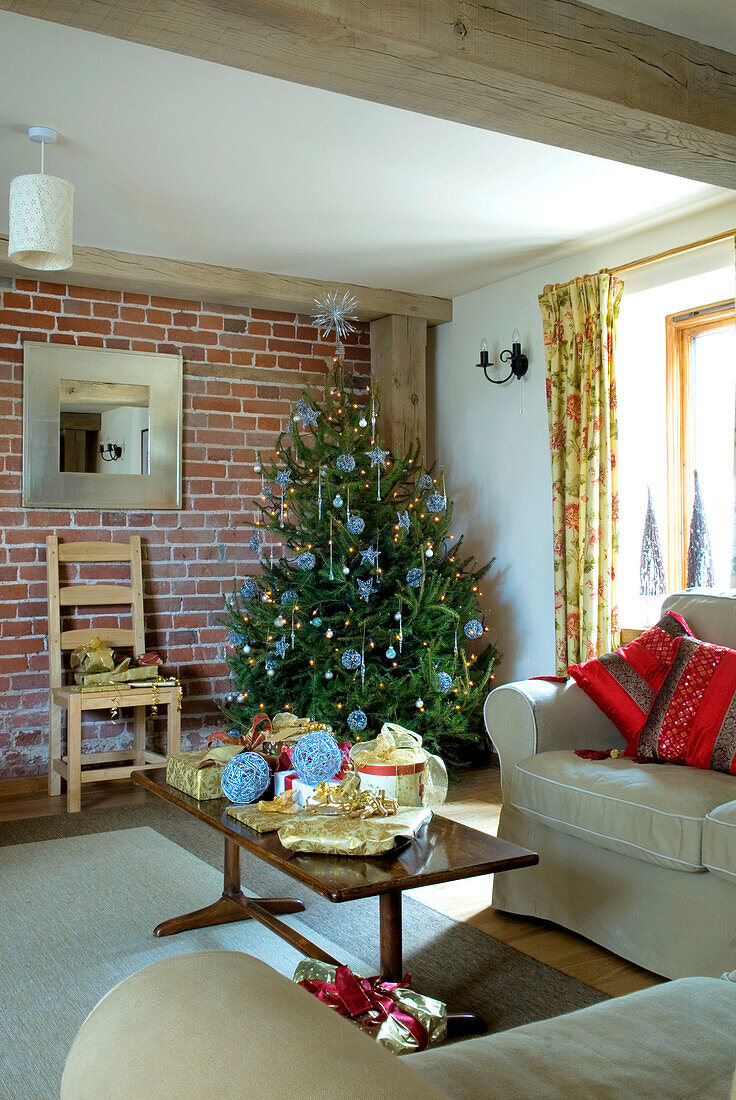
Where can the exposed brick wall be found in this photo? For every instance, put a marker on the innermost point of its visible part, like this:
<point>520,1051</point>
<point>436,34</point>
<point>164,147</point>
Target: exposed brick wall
<point>190,556</point>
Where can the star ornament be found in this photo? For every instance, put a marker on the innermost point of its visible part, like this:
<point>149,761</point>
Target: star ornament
<point>334,314</point>
<point>309,415</point>
<point>365,589</point>
<point>370,555</point>
<point>403,518</point>
<point>377,456</point>
<point>283,478</point>
<point>282,646</point>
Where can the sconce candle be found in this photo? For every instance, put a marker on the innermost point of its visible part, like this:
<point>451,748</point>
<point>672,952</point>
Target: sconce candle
<point>518,361</point>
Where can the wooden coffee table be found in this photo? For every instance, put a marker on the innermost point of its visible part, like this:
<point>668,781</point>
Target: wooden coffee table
<point>442,851</point>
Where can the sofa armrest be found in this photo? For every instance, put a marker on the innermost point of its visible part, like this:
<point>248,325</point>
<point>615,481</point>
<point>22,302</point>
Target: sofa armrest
<point>537,716</point>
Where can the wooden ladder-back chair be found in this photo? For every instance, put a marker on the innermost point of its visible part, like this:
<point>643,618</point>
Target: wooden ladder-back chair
<point>69,766</point>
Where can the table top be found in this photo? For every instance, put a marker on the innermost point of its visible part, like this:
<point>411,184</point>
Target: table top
<point>442,851</point>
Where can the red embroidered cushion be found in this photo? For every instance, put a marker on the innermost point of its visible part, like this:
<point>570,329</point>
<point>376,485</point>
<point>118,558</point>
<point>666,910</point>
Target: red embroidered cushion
<point>693,717</point>
<point>623,684</point>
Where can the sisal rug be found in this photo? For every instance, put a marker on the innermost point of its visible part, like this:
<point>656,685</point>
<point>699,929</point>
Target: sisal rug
<point>81,895</point>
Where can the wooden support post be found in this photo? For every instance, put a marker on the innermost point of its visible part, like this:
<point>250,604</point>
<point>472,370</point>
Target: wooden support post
<point>399,369</point>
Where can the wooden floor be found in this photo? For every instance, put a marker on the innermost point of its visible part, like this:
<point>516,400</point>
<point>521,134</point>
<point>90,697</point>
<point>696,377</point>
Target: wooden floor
<point>475,800</point>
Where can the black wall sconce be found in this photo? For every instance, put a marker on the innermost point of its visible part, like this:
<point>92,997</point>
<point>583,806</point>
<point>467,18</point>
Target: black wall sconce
<point>110,452</point>
<point>519,362</point>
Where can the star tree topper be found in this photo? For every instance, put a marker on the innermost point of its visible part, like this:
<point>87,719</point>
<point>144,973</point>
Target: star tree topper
<point>335,314</point>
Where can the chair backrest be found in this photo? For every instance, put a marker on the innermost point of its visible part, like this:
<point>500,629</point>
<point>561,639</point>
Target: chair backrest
<point>710,615</point>
<point>93,595</point>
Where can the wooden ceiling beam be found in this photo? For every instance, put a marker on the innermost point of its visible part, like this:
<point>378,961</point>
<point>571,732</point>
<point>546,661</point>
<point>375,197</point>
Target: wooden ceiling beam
<point>99,267</point>
<point>555,71</point>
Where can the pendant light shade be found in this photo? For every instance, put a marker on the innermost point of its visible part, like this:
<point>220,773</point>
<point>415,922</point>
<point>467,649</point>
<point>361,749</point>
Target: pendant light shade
<point>41,216</point>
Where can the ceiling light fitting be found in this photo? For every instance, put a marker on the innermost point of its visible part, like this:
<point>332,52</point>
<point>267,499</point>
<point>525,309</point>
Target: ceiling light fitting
<point>41,215</point>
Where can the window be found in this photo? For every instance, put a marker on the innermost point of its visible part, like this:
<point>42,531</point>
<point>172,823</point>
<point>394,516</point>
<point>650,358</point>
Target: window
<point>700,400</point>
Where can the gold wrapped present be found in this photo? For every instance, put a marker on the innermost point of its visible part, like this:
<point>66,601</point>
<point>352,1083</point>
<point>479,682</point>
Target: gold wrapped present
<point>95,656</point>
<point>183,771</point>
<point>288,727</point>
<point>337,834</point>
<point>261,821</point>
<point>397,764</point>
<point>390,1012</point>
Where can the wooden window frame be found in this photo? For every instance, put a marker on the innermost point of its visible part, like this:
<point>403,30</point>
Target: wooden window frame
<point>681,330</point>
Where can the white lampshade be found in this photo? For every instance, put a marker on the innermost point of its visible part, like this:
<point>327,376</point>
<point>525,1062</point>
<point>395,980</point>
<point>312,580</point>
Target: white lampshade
<point>41,214</point>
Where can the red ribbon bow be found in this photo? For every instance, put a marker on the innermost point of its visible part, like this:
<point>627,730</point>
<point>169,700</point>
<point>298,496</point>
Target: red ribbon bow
<point>250,740</point>
<point>354,997</point>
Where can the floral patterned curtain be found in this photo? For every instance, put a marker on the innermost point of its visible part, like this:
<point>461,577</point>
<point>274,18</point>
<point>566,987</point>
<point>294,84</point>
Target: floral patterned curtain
<point>579,321</point>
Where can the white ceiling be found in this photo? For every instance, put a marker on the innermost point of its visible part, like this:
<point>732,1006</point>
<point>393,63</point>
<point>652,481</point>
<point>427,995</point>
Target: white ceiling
<point>177,157</point>
<point>709,21</point>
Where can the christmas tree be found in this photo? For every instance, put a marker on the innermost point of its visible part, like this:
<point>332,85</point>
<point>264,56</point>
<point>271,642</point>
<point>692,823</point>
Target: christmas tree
<point>699,553</point>
<point>364,614</point>
<point>651,564</point>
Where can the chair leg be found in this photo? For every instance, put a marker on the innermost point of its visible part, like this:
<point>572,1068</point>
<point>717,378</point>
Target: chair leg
<point>173,726</point>
<point>74,755</point>
<point>54,747</point>
<point>139,734</point>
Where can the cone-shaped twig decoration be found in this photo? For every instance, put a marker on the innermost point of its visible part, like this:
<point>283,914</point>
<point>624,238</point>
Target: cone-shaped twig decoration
<point>699,552</point>
<point>651,569</point>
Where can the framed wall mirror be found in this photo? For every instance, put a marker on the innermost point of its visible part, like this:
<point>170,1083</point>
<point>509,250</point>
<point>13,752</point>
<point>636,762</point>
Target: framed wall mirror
<point>101,428</point>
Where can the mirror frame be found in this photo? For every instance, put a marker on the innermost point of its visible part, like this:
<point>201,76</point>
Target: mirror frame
<point>44,485</point>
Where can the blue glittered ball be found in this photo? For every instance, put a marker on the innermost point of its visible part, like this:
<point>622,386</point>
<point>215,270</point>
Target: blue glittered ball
<point>424,483</point>
<point>316,757</point>
<point>473,628</point>
<point>351,659</point>
<point>317,621</point>
<point>249,590</point>
<point>233,638</point>
<point>289,596</point>
<point>306,561</point>
<point>356,525</point>
<point>245,778</point>
<point>414,577</point>
<point>435,502</point>
<point>443,682</point>
<point>357,720</point>
<point>346,463</point>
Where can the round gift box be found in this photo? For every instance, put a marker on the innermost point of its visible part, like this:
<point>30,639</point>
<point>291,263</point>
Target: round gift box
<point>400,781</point>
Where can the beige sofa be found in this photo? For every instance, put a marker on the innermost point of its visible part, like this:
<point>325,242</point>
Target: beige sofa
<point>222,1025</point>
<point>640,858</point>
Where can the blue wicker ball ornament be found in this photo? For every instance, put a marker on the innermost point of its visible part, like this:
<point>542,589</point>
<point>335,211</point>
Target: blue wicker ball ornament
<point>435,502</point>
<point>356,525</point>
<point>357,720</point>
<point>316,757</point>
<point>245,778</point>
<point>289,596</point>
<point>345,463</point>
<point>351,659</point>
<point>443,682</point>
<point>414,577</point>
<point>233,638</point>
<point>306,561</point>
<point>473,628</point>
<point>249,590</point>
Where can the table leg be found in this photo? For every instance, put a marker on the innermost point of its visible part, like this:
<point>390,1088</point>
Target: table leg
<point>390,918</point>
<point>392,967</point>
<point>233,905</point>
